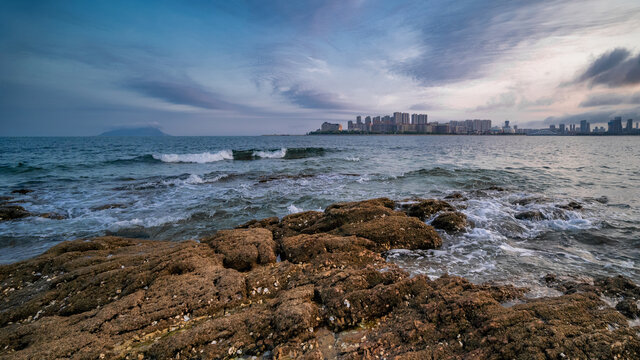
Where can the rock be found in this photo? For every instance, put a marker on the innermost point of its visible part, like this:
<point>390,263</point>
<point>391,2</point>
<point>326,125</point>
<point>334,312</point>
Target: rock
<point>334,217</point>
<point>108,206</point>
<point>11,212</point>
<point>126,298</point>
<point>331,297</point>
<point>244,248</point>
<point>306,248</point>
<point>628,308</point>
<point>530,200</point>
<point>532,215</point>
<point>382,202</point>
<point>5,198</point>
<point>21,191</point>
<point>53,216</point>
<point>294,224</point>
<point>425,209</point>
<point>394,232</point>
<point>572,205</point>
<point>456,196</point>
<point>264,223</point>
<point>450,221</point>
<point>495,188</point>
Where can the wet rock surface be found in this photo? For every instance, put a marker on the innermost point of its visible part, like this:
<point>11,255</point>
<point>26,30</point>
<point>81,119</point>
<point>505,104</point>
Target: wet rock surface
<point>451,221</point>
<point>532,215</point>
<point>332,295</point>
<point>426,208</point>
<point>12,212</point>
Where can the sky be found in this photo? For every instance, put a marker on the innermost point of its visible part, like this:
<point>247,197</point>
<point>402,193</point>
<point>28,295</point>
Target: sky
<point>267,67</point>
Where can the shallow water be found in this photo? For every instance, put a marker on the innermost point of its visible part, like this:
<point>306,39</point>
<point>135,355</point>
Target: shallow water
<point>187,187</point>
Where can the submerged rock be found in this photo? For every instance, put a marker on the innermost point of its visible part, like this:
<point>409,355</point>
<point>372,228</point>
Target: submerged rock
<point>12,212</point>
<point>53,216</point>
<point>456,196</point>
<point>572,205</point>
<point>108,206</point>
<point>532,215</point>
<point>22,191</point>
<point>450,221</point>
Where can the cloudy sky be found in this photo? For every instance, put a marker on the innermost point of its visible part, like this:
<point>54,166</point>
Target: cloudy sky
<point>256,67</point>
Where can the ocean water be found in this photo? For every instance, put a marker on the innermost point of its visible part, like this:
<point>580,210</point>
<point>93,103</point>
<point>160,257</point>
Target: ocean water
<point>187,187</point>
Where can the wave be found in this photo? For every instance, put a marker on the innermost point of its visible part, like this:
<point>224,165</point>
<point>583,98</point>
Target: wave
<point>251,154</point>
<point>18,169</point>
<point>201,158</point>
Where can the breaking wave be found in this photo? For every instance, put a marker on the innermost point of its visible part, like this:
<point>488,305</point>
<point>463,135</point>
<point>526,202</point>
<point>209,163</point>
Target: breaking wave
<point>251,154</point>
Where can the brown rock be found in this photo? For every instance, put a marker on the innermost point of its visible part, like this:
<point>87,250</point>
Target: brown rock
<point>335,217</point>
<point>11,212</point>
<point>244,248</point>
<point>395,232</point>
<point>450,221</point>
<point>294,224</point>
<point>425,209</point>
<point>333,297</point>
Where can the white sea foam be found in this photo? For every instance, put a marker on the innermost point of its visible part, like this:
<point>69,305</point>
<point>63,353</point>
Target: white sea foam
<point>277,154</point>
<point>146,222</point>
<point>512,249</point>
<point>194,179</point>
<point>294,209</point>
<point>200,158</point>
<point>352,158</point>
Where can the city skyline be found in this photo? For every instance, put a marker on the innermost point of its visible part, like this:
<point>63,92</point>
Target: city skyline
<point>254,67</point>
<point>406,123</point>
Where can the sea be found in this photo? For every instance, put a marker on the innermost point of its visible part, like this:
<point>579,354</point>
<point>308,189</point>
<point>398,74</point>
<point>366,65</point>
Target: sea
<point>178,188</point>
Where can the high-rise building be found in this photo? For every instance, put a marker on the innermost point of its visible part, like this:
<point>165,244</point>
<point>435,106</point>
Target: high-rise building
<point>397,118</point>
<point>562,128</point>
<point>406,119</point>
<point>584,125</point>
<point>330,127</point>
<point>615,125</point>
<point>629,125</point>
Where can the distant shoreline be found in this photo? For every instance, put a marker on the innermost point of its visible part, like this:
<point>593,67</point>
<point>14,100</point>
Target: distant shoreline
<point>499,134</point>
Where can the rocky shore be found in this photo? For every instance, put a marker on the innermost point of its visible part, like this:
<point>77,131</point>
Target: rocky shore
<point>312,285</point>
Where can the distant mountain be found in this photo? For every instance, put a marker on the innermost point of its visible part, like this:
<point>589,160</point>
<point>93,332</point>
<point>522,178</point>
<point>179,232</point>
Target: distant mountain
<point>141,131</point>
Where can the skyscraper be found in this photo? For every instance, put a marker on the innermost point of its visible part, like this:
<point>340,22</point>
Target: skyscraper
<point>405,118</point>
<point>615,125</point>
<point>584,126</point>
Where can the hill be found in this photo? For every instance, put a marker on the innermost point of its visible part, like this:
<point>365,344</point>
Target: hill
<point>141,131</point>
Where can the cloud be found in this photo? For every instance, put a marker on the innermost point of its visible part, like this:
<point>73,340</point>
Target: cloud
<point>180,93</point>
<point>504,100</point>
<point>540,102</point>
<point>312,99</point>
<point>614,68</point>
<point>610,99</point>
<point>599,116</point>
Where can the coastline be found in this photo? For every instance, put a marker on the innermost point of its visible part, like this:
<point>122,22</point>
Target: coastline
<point>310,285</point>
